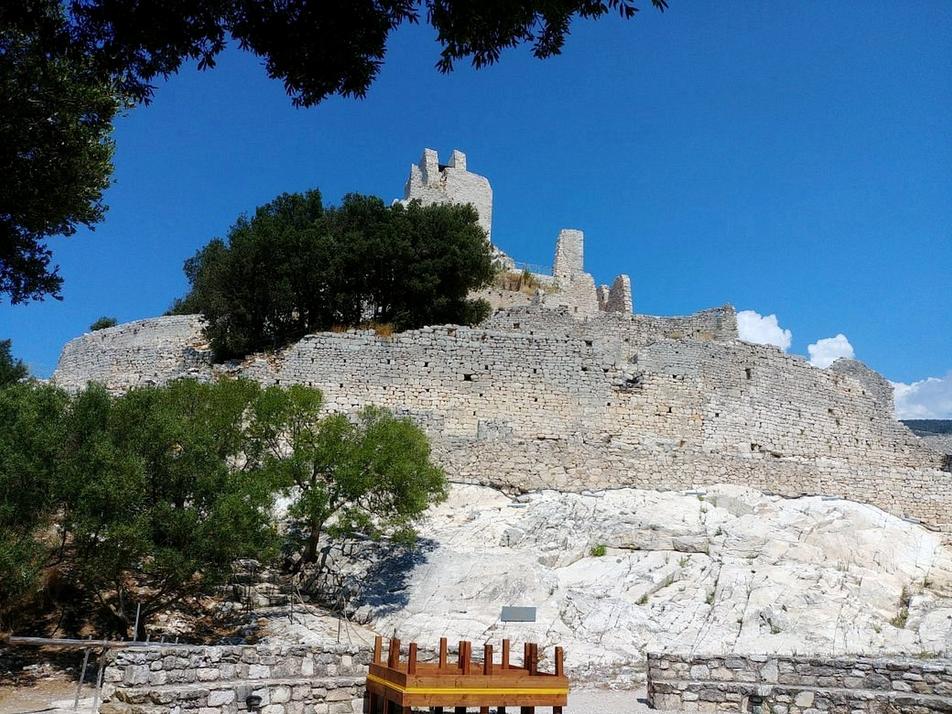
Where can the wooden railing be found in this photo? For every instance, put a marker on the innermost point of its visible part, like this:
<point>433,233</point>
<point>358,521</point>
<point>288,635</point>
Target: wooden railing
<point>403,685</point>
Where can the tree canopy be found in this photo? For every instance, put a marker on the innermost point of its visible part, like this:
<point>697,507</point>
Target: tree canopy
<point>56,112</point>
<point>11,369</point>
<point>144,500</point>
<point>68,66</point>
<point>103,323</point>
<point>370,475</point>
<point>297,266</point>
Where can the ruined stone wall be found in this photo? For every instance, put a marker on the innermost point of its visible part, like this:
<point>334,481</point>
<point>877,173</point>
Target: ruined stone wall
<point>939,442</point>
<point>616,298</point>
<point>536,398</point>
<point>136,353</point>
<point>798,685</point>
<point>430,182</point>
<point>288,679</point>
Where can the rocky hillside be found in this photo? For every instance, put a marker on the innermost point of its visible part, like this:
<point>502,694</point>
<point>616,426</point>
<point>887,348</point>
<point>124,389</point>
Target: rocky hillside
<point>729,570</point>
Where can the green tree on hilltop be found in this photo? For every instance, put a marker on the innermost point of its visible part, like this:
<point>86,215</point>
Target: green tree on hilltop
<point>103,323</point>
<point>297,267</point>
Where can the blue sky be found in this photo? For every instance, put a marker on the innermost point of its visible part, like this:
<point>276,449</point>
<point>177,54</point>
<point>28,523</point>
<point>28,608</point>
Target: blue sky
<point>791,159</point>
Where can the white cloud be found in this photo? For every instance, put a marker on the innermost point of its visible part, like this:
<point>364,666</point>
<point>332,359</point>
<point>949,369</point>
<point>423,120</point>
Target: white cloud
<point>762,330</point>
<point>929,398</point>
<point>826,351</point>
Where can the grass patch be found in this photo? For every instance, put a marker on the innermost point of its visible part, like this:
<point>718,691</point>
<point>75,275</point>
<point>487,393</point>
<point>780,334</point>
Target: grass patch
<point>902,617</point>
<point>598,551</point>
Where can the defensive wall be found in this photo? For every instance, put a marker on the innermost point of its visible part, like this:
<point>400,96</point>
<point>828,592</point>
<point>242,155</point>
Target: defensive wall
<point>541,398</point>
<point>285,679</point>
<point>798,685</point>
<point>567,389</point>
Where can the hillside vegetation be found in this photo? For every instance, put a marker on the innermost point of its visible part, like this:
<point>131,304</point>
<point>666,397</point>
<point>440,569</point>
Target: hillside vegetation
<point>116,508</point>
<point>298,266</point>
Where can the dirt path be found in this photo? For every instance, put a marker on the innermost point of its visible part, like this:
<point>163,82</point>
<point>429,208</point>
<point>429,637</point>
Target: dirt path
<point>48,696</point>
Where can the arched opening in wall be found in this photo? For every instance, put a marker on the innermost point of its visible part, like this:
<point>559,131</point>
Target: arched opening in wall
<point>748,372</point>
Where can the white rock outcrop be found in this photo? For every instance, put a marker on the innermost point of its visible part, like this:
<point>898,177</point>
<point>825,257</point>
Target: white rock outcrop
<point>729,570</point>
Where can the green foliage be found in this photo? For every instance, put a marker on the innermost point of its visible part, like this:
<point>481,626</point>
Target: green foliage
<point>146,499</point>
<point>372,475</point>
<point>297,266</point>
<point>138,499</point>
<point>151,496</point>
<point>11,369</point>
<point>929,426</point>
<point>317,49</point>
<point>598,551</point>
<point>30,435</point>
<point>102,323</point>
<point>56,113</point>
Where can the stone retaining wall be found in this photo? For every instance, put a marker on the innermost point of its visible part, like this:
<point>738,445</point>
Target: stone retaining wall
<point>291,679</point>
<point>798,685</point>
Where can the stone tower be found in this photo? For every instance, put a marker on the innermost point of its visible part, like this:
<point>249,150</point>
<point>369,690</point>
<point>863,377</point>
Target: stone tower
<point>432,182</point>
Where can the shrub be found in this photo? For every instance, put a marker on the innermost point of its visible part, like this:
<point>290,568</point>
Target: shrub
<point>102,323</point>
<point>598,551</point>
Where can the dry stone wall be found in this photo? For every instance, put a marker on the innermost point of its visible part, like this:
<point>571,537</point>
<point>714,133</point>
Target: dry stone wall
<point>287,679</point>
<point>537,398</point>
<point>136,353</point>
<point>798,685</point>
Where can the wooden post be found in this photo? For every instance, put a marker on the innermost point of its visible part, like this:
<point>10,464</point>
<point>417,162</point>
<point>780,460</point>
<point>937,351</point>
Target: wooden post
<point>533,658</point>
<point>559,661</point>
<point>525,656</point>
<point>378,650</point>
<point>464,653</point>
<point>442,664</point>
<point>393,654</point>
<point>487,669</point>
<point>411,659</point>
<point>505,654</point>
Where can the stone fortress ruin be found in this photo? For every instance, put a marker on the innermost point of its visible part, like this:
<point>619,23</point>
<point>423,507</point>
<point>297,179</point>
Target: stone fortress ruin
<point>564,388</point>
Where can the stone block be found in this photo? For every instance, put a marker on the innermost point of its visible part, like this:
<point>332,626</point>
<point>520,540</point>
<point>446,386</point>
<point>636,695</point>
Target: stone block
<point>218,697</point>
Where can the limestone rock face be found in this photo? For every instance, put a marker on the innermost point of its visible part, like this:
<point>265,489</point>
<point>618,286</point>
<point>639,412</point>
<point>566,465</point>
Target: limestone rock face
<point>729,570</point>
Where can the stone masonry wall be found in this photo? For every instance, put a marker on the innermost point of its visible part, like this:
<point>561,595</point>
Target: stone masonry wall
<point>798,685</point>
<point>536,398</point>
<point>136,353</point>
<point>289,679</point>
